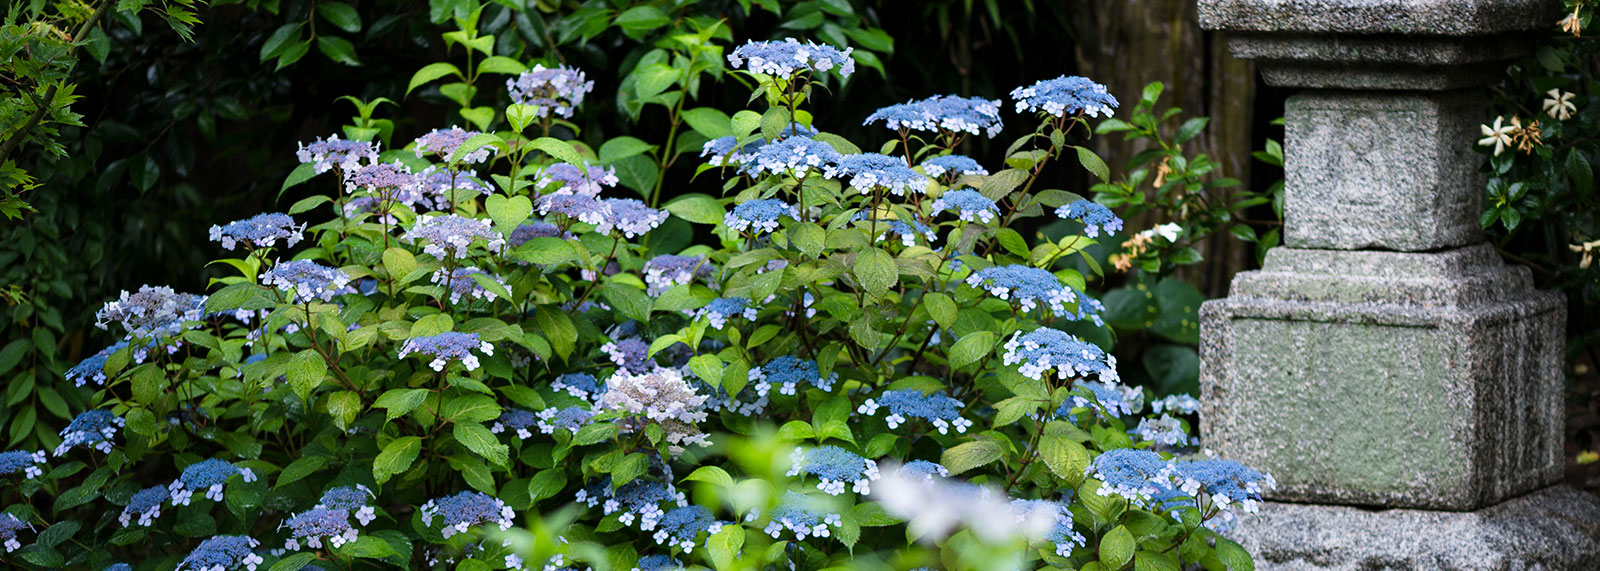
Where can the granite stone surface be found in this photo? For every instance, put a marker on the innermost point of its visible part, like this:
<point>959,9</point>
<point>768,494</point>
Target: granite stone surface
<point>1459,18</point>
<point>1556,528</point>
<point>1392,171</point>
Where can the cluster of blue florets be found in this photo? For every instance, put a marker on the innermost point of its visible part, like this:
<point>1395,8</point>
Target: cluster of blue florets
<point>444,142</point>
<point>682,526</point>
<point>259,231</point>
<point>667,270</point>
<point>954,165</point>
<point>801,515</point>
<point>949,113</point>
<point>788,372</point>
<point>759,216</point>
<point>869,171</point>
<point>1045,349</point>
<point>450,236</point>
<point>558,90</point>
<point>1096,218</point>
<point>564,178</point>
<point>335,152</point>
<point>94,428</point>
<point>29,464</point>
<point>796,156</point>
<point>1030,287</point>
<point>1065,96</point>
<point>446,347</point>
<point>632,217</point>
<point>306,280</point>
<point>464,510</point>
<point>93,368</point>
<point>152,312</point>
<point>631,354</point>
<point>834,467</point>
<point>720,310</point>
<point>789,57</point>
<point>145,505</point>
<point>462,283</point>
<point>938,408</point>
<point>224,552</point>
<point>206,475</point>
<point>969,205</point>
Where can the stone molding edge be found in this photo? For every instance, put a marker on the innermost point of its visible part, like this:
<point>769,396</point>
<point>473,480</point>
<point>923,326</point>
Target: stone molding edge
<point>1457,18</point>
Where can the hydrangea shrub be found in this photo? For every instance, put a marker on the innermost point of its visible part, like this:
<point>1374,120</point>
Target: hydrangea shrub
<point>862,366</point>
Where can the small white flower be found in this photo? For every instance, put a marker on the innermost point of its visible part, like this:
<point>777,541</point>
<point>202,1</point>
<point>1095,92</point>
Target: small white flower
<point>1559,106</point>
<point>1498,136</point>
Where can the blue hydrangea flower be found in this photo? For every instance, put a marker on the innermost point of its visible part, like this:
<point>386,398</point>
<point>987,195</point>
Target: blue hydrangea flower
<point>868,171</point>
<point>657,563</point>
<point>922,470</point>
<point>571,419</point>
<point>788,372</point>
<point>582,208</point>
<point>124,567</point>
<point>909,116</point>
<point>1110,400</point>
<point>795,156</point>
<point>751,400</point>
<point>661,397</point>
<point>1132,474</point>
<point>559,89</point>
<point>444,142</point>
<point>209,475</point>
<point>664,271</point>
<point>1046,349</point>
<point>954,164</point>
<point>1226,482</point>
<point>834,466</point>
<point>439,188</point>
<point>937,408</point>
<point>581,385</point>
<point>389,180</point>
<point>1028,287</point>
<point>1165,431</point>
<point>516,420</point>
<point>1176,404</point>
<point>588,181</point>
<point>316,524</point>
<point>633,217</point>
<point>9,526</point>
<point>1061,533</point>
<point>631,354</point>
<point>452,236</point>
<point>726,151</point>
<point>680,527</point>
<point>947,113</point>
<point>460,283</point>
<point>1096,218</point>
<point>909,233</point>
<point>94,428</point>
<point>93,369</point>
<point>450,345</point>
<point>759,216</point>
<point>800,515</point>
<point>334,152</point>
<point>306,280</point>
<point>259,231</point>
<point>1065,95</point>
<point>720,310</point>
<point>152,312</point>
<point>22,462</point>
<point>522,234</point>
<point>222,553</point>
<point>466,509</point>
<point>352,499</point>
<point>969,205</point>
<point>789,57</point>
<point>638,500</point>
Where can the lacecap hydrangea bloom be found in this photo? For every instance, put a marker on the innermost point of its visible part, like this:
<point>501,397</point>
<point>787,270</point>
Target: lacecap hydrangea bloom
<point>801,515</point>
<point>909,232</point>
<point>759,216</point>
<point>22,462</point>
<point>439,188</point>
<point>939,409</point>
<point>658,562</point>
<point>795,156</point>
<point>335,152</point>
<point>835,467</point>
<point>93,368</point>
<point>1061,533</point>
<point>922,469</point>
<point>315,525</point>
<point>661,397</point>
<point>788,372</point>
<point>667,270</point>
<point>1045,349</point>
<point>208,475</point>
<point>387,179</point>
<point>1132,474</point>
<point>720,310</point>
<point>352,499</point>
<point>1176,404</point>
<point>682,526</point>
<point>579,207</point>
<point>789,57</point>
<point>558,89</point>
<point>259,231</point>
<point>517,421</point>
<point>145,505</point>
<point>1096,218</point>
<point>1110,400</point>
<point>633,217</point>
<point>587,181</point>
<point>1029,287</point>
<point>1225,482</point>
<point>1065,96</point>
<point>94,428</point>
<point>448,346</point>
<point>460,283</point>
<point>955,165</point>
<point>306,280</point>
<point>631,354</point>
<point>222,553</point>
<point>444,142</point>
<point>974,115</point>
<point>969,205</point>
<point>452,236</point>
<point>639,500</point>
<point>1165,431</point>
<point>581,385</point>
<point>868,171</point>
<point>570,418</point>
<point>525,232</point>
<point>9,526</point>
<point>466,509</point>
<point>151,312</point>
